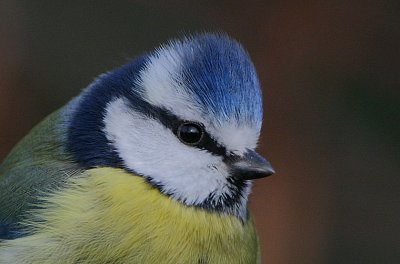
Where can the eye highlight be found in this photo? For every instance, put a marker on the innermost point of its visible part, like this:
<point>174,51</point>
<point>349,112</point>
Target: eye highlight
<point>190,133</point>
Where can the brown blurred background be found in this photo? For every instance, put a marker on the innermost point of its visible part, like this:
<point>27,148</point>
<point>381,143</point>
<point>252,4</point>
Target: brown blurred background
<point>330,74</point>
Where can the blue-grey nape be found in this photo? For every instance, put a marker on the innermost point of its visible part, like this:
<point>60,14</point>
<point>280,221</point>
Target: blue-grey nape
<point>86,140</point>
<point>11,231</point>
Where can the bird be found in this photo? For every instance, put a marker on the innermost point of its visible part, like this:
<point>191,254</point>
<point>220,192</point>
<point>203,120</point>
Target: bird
<point>153,162</point>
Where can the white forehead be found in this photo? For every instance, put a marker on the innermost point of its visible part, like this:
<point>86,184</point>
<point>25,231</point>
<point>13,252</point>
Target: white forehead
<point>162,85</point>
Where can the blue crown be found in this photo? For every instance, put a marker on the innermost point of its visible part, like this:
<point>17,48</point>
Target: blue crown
<point>219,72</point>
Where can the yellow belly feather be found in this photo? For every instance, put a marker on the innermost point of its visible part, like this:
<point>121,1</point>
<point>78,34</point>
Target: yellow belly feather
<point>109,216</point>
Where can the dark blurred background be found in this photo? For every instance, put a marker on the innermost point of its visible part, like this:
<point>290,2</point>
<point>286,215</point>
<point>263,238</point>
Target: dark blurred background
<point>330,74</point>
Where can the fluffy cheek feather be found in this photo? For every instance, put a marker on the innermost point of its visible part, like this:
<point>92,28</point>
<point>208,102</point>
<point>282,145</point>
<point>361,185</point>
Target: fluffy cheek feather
<point>148,148</point>
<point>109,216</point>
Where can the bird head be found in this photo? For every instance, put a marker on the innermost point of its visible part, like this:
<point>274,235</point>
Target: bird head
<point>186,117</point>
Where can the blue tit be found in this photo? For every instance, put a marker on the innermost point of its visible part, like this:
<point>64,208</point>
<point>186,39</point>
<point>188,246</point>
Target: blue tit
<point>152,163</point>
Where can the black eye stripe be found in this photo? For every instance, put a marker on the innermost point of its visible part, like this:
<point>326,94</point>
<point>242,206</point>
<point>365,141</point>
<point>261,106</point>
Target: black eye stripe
<point>172,122</point>
<point>210,144</point>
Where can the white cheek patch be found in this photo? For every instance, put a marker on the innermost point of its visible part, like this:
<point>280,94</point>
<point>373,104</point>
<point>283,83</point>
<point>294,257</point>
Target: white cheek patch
<point>150,149</point>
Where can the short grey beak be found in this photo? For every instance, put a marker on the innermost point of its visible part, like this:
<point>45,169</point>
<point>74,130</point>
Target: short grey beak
<point>251,166</point>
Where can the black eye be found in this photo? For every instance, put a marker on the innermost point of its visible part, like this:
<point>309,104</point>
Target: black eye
<point>190,133</point>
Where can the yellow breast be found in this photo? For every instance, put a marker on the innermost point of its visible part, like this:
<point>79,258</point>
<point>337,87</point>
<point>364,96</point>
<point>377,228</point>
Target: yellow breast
<point>109,216</point>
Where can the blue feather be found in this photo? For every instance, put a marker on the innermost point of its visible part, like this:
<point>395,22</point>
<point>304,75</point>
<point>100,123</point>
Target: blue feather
<point>85,137</point>
<point>11,231</point>
<point>219,72</point>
